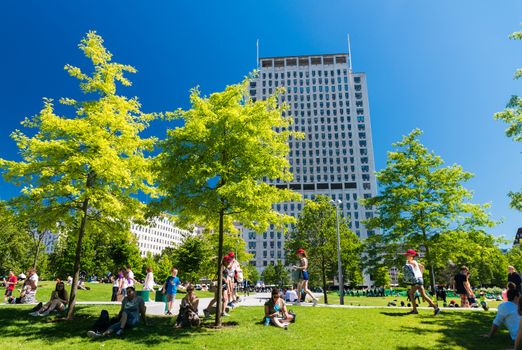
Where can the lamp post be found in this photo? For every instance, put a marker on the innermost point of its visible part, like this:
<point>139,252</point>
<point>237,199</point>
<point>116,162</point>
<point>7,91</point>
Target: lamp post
<point>339,264</point>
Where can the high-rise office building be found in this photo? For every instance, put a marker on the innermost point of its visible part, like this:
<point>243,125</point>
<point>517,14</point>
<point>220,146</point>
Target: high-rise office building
<point>329,103</point>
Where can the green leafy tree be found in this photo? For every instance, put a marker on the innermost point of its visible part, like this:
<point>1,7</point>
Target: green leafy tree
<point>282,274</point>
<point>269,275</point>
<point>87,167</point>
<point>316,232</point>
<point>190,256</point>
<point>212,168</point>
<point>13,241</point>
<point>420,199</point>
<point>382,276</point>
<point>512,116</point>
<point>251,274</point>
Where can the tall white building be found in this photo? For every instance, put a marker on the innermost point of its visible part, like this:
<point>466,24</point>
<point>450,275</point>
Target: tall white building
<point>162,233</point>
<point>329,103</point>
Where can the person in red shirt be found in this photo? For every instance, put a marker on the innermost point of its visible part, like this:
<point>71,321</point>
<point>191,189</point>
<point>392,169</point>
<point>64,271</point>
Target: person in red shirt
<point>10,284</point>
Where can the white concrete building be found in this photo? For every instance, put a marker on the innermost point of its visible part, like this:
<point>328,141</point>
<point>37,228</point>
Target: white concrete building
<point>161,234</point>
<point>329,103</point>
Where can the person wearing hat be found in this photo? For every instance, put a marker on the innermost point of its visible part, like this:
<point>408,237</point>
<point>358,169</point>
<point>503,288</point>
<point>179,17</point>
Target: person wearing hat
<point>225,287</point>
<point>303,276</point>
<point>418,285</point>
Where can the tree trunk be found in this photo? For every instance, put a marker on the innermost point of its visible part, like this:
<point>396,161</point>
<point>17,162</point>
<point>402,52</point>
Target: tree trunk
<point>219,293</point>
<point>76,275</point>
<point>323,271</point>
<point>37,250</point>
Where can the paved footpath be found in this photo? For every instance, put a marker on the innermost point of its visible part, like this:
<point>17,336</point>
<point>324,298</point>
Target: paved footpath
<point>259,299</point>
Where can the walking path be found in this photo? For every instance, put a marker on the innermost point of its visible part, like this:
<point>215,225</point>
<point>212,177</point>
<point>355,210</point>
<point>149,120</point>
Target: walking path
<point>259,299</point>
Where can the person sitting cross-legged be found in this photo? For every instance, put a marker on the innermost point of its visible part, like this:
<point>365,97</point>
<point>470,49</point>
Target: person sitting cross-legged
<point>276,311</point>
<point>132,309</point>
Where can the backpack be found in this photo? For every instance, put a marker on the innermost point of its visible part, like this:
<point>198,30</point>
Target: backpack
<point>408,275</point>
<point>103,322</point>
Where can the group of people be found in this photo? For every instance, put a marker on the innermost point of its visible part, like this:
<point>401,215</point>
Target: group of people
<point>28,290</point>
<point>120,283</point>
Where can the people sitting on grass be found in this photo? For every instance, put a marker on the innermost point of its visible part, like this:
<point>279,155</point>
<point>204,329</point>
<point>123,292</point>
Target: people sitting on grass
<point>10,284</point>
<point>58,301</point>
<point>276,312</point>
<point>508,315</point>
<point>132,310</point>
<point>188,310</point>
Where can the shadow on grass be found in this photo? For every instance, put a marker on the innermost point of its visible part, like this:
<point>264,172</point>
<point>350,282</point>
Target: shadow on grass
<point>16,323</point>
<point>458,329</point>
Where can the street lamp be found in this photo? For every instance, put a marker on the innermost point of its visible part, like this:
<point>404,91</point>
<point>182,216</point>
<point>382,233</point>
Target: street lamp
<point>339,264</point>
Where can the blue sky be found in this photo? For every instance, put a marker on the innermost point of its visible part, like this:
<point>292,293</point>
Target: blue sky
<point>443,66</point>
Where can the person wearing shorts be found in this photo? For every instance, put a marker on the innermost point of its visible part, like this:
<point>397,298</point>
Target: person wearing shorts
<point>171,288</point>
<point>303,276</point>
<point>10,284</point>
<point>131,313</point>
<point>462,286</point>
<point>418,285</point>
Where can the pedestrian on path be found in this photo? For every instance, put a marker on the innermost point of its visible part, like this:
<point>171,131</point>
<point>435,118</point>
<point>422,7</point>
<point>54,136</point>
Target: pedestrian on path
<point>303,276</point>
<point>413,276</point>
<point>171,288</point>
<point>10,284</point>
<point>462,287</point>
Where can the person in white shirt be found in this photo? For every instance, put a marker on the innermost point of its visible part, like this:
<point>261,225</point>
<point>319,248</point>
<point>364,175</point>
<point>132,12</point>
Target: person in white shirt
<point>291,295</point>
<point>418,285</point>
<point>32,283</point>
<point>130,277</point>
<point>148,284</point>
<point>507,315</point>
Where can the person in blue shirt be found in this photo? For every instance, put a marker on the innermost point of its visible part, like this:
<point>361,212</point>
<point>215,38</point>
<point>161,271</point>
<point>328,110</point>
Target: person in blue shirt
<point>171,288</point>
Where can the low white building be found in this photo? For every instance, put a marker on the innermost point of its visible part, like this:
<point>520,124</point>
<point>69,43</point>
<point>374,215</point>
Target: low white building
<point>162,233</point>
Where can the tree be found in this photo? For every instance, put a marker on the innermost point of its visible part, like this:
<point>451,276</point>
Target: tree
<point>269,275</point>
<point>281,274</point>
<point>251,274</point>
<point>420,200</point>
<point>189,257</point>
<point>88,167</point>
<point>382,276</point>
<point>512,116</point>
<point>13,240</point>
<point>212,168</point>
<point>316,232</point>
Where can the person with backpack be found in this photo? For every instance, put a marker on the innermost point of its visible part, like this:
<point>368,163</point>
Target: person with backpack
<point>412,272</point>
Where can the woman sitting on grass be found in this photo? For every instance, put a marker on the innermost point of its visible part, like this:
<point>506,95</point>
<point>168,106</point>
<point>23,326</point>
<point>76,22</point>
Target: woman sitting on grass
<point>58,301</point>
<point>276,311</point>
<point>188,310</point>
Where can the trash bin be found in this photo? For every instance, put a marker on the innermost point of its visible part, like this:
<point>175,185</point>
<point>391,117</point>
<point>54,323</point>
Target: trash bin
<point>145,294</point>
<point>160,296</point>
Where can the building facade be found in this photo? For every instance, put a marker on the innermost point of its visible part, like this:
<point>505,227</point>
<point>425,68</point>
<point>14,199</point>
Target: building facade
<point>329,104</point>
<point>162,233</point>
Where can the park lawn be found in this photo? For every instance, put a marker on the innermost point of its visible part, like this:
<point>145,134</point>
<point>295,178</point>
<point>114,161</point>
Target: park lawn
<point>316,328</point>
<point>98,292</point>
<point>333,298</point>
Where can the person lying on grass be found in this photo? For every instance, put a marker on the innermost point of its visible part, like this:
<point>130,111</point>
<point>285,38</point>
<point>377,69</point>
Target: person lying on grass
<point>132,307</point>
<point>58,301</point>
<point>507,314</point>
<point>276,311</point>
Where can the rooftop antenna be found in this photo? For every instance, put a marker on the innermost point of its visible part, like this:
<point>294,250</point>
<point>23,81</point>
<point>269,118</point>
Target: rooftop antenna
<point>349,55</point>
<point>257,53</point>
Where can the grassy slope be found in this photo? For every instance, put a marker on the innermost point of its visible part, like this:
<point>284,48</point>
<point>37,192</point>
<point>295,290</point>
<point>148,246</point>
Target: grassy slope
<point>316,328</point>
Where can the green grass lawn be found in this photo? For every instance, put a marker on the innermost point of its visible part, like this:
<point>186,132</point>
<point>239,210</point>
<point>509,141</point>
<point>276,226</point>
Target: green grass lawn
<point>98,292</point>
<point>316,328</point>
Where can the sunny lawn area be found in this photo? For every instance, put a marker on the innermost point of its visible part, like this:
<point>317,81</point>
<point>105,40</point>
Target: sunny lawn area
<point>316,328</point>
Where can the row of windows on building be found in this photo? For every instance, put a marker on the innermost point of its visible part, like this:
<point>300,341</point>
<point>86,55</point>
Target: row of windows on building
<point>281,81</point>
<point>307,74</point>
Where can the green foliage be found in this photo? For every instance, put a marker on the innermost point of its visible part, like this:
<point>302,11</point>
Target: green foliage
<point>211,169</point>
<point>512,116</point>
<point>269,275</point>
<point>251,274</point>
<point>14,240</point>
<point>86,169</point>
<point>316,232</point>
<point>189,258</point>
<point>420,200</point>
<point>382,277</point>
